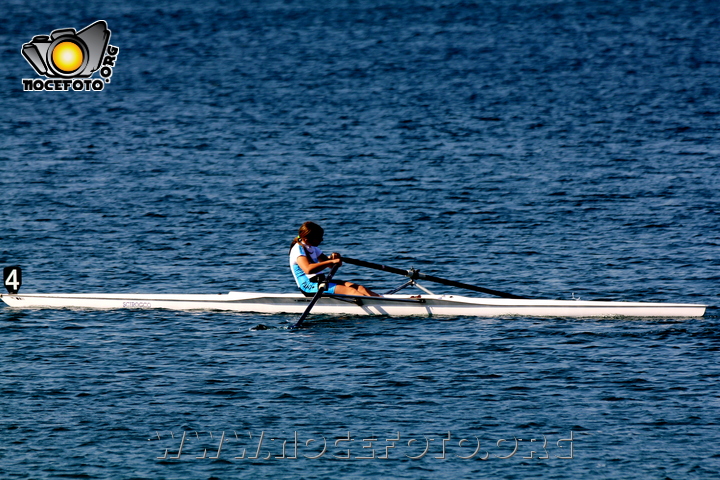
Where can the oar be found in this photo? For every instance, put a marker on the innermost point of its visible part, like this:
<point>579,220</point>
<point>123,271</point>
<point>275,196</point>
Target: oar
<point>322,286</point>
<point>414,274</point>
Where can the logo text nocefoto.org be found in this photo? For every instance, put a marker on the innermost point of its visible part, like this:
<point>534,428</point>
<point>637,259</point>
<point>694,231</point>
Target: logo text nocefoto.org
<point>67,59</point>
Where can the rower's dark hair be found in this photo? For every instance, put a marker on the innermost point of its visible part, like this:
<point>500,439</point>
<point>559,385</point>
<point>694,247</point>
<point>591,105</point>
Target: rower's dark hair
<point>306,230</point>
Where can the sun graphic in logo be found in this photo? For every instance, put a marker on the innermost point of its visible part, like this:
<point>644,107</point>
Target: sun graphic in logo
<point>67,56</point>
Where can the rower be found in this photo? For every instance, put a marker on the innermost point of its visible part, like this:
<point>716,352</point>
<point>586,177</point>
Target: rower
<point>308,264</point>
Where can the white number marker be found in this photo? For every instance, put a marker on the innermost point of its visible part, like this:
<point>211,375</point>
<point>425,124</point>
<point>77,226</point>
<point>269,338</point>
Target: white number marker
<point>12,279</point>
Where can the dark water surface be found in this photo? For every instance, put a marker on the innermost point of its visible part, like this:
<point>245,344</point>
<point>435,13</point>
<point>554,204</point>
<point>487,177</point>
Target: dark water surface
<point>537,147</point>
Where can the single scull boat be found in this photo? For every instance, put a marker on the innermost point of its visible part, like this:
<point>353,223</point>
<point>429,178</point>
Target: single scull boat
<point>390,304</point>
<point>395,305</point>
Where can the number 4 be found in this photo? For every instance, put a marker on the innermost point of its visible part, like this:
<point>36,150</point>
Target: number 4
<point>13,279</point>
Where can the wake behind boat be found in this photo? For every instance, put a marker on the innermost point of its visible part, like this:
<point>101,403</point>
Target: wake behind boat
<point>392,304</point>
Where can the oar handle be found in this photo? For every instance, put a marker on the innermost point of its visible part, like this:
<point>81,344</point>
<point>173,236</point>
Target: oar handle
<point>414,274</point>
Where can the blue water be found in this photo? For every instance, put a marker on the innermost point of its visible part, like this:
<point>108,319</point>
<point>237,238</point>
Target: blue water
<point>547,149</point>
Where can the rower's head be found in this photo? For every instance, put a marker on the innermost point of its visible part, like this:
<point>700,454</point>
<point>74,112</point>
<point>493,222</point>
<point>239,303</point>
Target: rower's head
<point>311,233</point>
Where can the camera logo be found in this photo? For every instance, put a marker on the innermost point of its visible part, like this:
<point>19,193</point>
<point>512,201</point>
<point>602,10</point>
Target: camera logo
<point>68,59</point>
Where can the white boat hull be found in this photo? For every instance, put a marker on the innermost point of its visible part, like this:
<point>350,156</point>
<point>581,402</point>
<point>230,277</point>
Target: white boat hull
<point>395,305</point>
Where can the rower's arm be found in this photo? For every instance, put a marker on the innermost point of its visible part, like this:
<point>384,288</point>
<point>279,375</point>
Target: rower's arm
<point>310,268</point>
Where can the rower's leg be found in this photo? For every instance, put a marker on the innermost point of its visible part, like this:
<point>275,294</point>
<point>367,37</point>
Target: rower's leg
<point>366,291</point>
<point>345,288</point>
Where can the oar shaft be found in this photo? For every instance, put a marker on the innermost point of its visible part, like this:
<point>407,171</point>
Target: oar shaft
<point>467,286</point>
<point>414,274</point>
<point>376,266</point>
<point>321,289</point>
